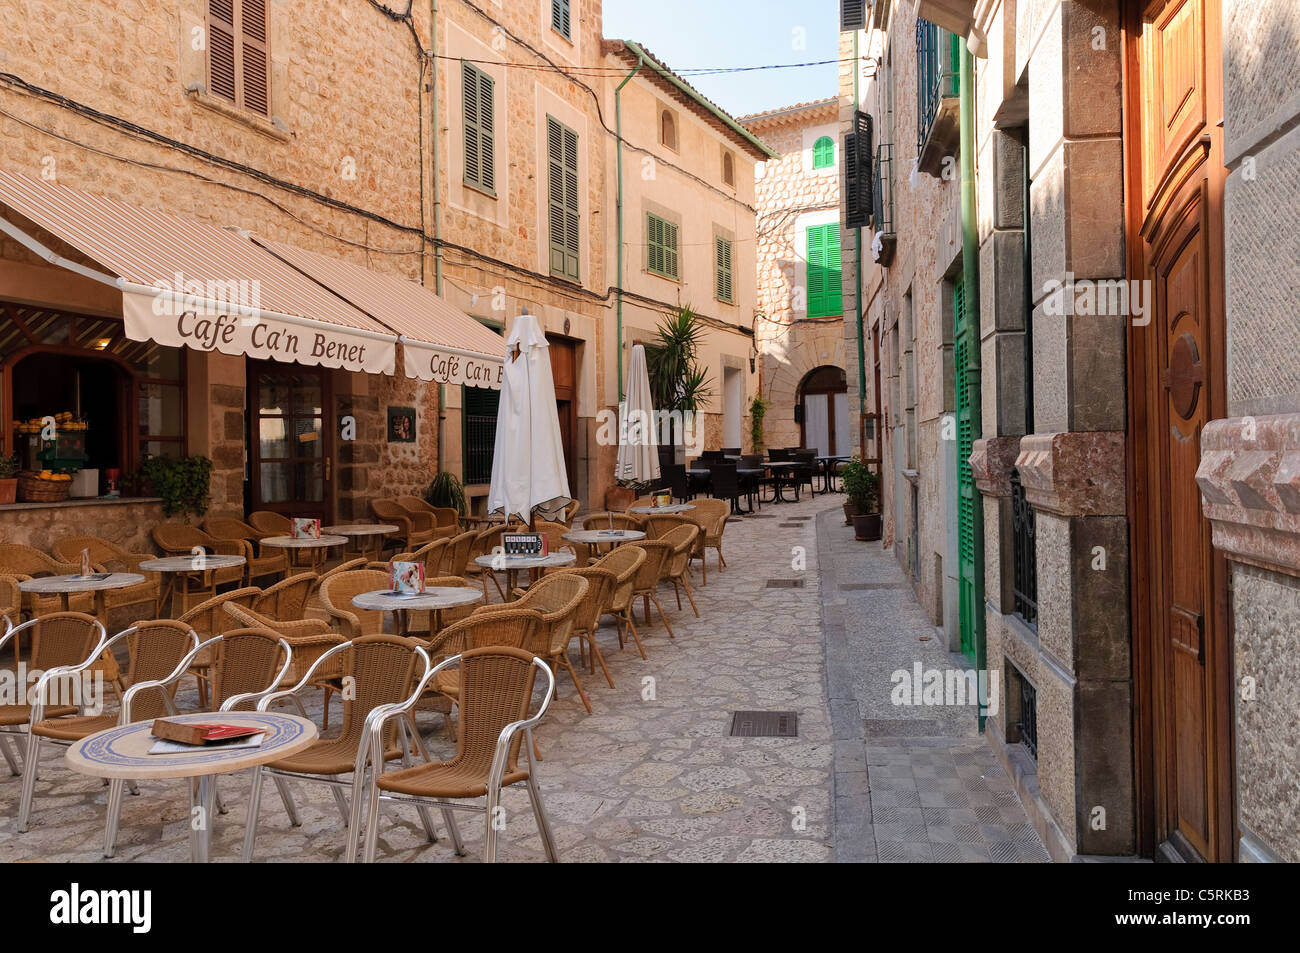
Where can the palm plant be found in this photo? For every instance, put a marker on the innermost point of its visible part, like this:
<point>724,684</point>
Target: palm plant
<point>677,381</point>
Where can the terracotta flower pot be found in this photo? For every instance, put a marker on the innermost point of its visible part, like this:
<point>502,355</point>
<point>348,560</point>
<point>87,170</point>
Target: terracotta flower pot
<point>867,526</point>
<point>8,491</point>
<point>850,511</point>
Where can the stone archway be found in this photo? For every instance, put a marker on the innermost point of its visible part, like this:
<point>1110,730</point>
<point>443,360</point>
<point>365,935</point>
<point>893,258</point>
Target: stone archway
<point>788,361</point>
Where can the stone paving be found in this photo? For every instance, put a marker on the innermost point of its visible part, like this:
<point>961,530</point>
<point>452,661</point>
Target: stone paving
<point>652,774</point>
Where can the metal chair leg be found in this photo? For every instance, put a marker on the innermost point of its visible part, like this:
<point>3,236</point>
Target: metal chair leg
<point>449,816</point>
<point>286,796</point>
<point>342,803</point>
<point>425,817</point>
<point>8,754</point>
<point>543,823</point>
<point>29,780</point>
<point>372,825</point>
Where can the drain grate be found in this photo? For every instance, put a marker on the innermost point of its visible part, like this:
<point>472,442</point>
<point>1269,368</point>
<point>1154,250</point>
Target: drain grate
<point>765,724</point>
<point>785,584</point>
<point>798,519</point>
<point>790,525</point>
<point>759,516</point>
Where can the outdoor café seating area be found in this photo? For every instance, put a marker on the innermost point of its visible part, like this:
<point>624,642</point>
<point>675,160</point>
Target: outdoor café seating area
<point>247,621</point>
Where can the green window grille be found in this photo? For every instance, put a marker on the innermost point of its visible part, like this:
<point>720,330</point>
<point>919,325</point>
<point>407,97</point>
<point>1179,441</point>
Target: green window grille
<point>560,22</point>
<point>824,153</point>
<point>938,74</point>
<point>824,272</point>
<point>480,142</point>
<point>722,256</point>
<point>562,163</point>
<point>661,246</point>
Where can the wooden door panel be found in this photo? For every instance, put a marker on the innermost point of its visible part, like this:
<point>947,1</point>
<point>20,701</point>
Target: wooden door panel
<point>1173,43</point>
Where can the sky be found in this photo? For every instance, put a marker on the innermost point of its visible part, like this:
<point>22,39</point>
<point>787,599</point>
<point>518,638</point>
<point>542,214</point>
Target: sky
<point>702,34</point>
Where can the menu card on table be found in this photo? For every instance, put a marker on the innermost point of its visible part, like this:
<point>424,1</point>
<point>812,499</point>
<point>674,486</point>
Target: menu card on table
<point>663,499</point>
<point>305,529</point>
<point>524,544</point>
<point>406,579</point>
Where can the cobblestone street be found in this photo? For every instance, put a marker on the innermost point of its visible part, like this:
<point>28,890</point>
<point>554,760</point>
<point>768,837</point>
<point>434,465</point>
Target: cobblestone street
<point>653,773</point>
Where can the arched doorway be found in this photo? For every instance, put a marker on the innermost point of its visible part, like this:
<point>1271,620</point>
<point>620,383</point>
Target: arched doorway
<point>824,411</point>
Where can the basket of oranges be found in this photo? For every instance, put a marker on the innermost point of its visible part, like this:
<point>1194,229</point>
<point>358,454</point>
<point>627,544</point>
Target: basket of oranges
<point>44,486</point>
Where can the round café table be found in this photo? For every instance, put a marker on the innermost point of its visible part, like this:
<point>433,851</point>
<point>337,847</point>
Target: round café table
<point>433,600</point>
<point>826,464</point>
<point>316,547</point>
<point>513,565</point>
<point>604,537</point>
<point>174,569</point>
<point>362,533</point>
<point>122,754</point>
<point>66,586</point>
<point>663,510</point>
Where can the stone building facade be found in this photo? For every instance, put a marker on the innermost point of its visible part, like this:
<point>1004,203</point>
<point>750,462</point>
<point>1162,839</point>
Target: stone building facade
<point>1134,451</point>
<point>797,334</point>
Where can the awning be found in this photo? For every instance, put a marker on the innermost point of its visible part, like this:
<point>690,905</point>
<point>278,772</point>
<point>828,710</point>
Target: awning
<point>187,283</point>
<point>440,342</point>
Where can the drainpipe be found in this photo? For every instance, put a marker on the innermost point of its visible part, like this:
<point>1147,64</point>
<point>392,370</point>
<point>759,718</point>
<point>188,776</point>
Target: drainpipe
<point>437,213</point>
<point>970,282</point>
<point>857,276</point>
<point>618,245</point>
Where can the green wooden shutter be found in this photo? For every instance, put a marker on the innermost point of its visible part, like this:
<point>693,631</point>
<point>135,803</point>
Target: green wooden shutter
<point>560,21</point>
<point>722,250</point>
<point>824,270</point>
<point>562,179</point>
<point>480,144</point>
<point>670,249</point>
<point>661,246</point>
<point>824,153</point>
<point>966,528</point>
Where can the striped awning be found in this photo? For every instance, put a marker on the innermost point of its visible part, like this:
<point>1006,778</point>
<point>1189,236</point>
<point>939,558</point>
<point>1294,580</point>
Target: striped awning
<point>440,342</point>
<point>187,283</point>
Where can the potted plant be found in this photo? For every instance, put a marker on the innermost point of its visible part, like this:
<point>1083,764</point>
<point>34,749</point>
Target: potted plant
<point>183,483</point>
<point>446,490</point>
<point>757,411</point>
<point>863,490</point>
<point>8,479</point>
<point>678,384</point>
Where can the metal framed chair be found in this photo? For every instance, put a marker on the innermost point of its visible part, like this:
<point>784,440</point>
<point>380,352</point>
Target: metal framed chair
<point>386,671</point>
<point>59,640</point>
<point>496,689</point>
<point>160,652</point>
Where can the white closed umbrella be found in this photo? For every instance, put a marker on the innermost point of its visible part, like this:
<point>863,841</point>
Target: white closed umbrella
<point>638,448</point>
<point>528,474</point>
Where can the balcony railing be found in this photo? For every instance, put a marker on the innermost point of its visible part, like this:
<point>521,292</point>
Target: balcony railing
<point>938,77</point>
<point>1024,554</point>
<point>883,211</point>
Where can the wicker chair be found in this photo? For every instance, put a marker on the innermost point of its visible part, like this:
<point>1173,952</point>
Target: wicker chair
<point>384,671</point>
<point>209,619</point>
<point>181,539</point>
<point>287,599</point>
<point>555,541</point>
<point>414,529</point>
<point>646,584</point>
<point>455,557</point>
<point>109,557</point>
<point>314,609</point>
<point>614,521</point>
<point>677,566</point>
<point>336,594</point>
<point>513,628</point>
<point>11,606</point>
<point>24,562</point>
<point>497,689</point>
<point>58,639</point>
<point>625,562</point>
<point>711,516</point>
<point>488,540</point>
<point>569,513</point>
<point>601,584</point>
<point>431,554</point>
<point>444,517</point>
<point>261,562</point>
<point>308,639</point>
<point>270,524</point>
<point>557,597</point>
<point>160,652</point>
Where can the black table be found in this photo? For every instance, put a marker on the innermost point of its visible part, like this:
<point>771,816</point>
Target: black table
<point>702,474</point>
<point>782,471</point>
<point>826,465</point>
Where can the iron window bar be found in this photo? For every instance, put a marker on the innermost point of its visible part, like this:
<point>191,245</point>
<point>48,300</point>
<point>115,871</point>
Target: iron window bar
<point>1028,724</point>
<point>1024,554</point>
<point>937,74</point>
<point>883,206</point>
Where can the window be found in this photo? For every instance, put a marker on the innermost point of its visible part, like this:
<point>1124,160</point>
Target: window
<point>824,153</point>
<point>480,143</point>
<point>562,176</point>
<point>728,168</point>
<point>722,258</point>
<point>238,68</point>
<point>938,71</point>
<point>853,15</point>
<point>668,129</point>
<point>560,18</point>
<point>824,276</point>
<point>661,246</point>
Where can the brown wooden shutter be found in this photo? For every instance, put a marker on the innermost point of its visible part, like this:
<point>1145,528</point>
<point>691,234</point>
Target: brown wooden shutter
<point>253,56</point>
<point>221,49</point>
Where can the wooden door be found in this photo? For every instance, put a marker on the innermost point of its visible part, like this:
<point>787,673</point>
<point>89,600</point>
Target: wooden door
<point>291,443</point>
<point>1183,662</point>
<point>564,369</point>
